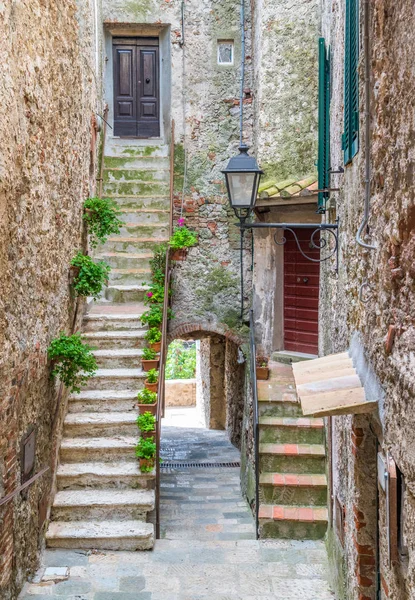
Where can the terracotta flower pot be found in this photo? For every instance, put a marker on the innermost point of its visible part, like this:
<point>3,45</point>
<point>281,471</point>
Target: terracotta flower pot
<point>150,364</point>
<point>179,254</point>
<point>152,408</point>
<point>145,463</point>
<point>262,373</point>
<point>156,346</point>
<point>153,387</point>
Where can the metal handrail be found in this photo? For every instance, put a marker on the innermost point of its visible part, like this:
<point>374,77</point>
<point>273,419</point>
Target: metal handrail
<point>254,385</point>
<point>104,135</point>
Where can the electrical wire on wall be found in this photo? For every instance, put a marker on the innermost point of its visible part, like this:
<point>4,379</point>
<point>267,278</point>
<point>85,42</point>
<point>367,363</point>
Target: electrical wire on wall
<point>184,85</point>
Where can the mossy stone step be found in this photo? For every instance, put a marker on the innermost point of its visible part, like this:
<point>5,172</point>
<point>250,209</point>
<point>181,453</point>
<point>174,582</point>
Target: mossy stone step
<point>125,175</point>
<point>136,188</point>
<point>279,409</point>
<point>132,244</point>
<point>146,231</point>
<point>124,294</point>
<point>124,148</point>
<point>151,201</point>
<point>287,522</point>
<point>293,489</point>
<point>286,430</point>
<point>145,217</point>
<point>137,162</point>
<point>292,458</point>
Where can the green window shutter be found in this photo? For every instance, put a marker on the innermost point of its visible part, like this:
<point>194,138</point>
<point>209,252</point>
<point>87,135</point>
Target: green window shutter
<point>350,141</point>
<point>323,125</point>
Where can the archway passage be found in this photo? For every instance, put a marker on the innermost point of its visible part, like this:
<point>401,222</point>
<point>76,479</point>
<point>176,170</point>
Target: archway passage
<point>201,495</point>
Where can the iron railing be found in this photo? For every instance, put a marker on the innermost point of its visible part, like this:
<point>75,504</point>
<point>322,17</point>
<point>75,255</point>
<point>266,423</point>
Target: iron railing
<point>254,386</point>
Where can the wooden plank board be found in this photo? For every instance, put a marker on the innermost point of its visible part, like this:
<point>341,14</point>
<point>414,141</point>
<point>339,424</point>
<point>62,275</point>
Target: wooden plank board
<point>322,376</point>
<point>324,360</point>
<point>334,366</point>
<point>352,401</point>
<point>330,385</point>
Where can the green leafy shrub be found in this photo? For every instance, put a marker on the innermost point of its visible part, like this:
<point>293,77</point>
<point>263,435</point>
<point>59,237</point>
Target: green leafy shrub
<point>149,354</point>
<point>181,361</point>
<point>152,376</point>
<point>155,294</point>
<point>158,262</point>
<point>153,335</point>
<point>91,277</point>
<point>152,317</point>
<point>146,422</point>
<point>102,217</point>
<point>73,361</point>
<point>182,237</point>
<point>146,450</point>
<point>144,396</point>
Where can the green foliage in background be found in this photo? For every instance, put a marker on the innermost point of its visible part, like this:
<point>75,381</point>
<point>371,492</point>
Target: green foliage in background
<point>181,361</point>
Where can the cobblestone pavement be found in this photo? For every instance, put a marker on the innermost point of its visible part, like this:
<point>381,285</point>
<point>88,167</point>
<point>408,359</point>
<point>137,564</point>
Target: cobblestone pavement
<point>208,550</point>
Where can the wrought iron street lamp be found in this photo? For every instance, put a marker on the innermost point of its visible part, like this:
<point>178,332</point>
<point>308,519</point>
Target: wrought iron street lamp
<point>242,177</point>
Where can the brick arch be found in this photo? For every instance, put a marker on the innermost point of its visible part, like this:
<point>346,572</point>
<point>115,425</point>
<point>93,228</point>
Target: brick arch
<point>201,329</point>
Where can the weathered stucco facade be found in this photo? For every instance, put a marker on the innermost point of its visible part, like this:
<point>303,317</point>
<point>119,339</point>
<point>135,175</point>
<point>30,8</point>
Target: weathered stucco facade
<point>379,327</point>
<point>47,170</point>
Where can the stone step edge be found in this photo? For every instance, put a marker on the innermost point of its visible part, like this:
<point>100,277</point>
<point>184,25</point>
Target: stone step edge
<point>101,418</point>
<point>105,395</point>
<point>299,514</point>
<point>106,498</point>
<point>289,422</point>
<point>293,480</point>
<point>297,450</point>
<point>122,333</point>
<point>104,470</point>
<point>110,530</point>
<point>289,399</point>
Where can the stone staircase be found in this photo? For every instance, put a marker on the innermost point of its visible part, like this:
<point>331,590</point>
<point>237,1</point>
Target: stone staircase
<point>103,500</point>
<point>293,484</point>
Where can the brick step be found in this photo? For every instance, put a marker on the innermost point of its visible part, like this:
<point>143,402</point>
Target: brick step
<point>103,475</point>
<point>100,424</point>
<point>123,358</point>
<point>136,188</point>
<point>93,505</point>
<point>116,379</point>
<point>125,293</point>
<point>142,216</point>
<point>146,163</point>
<point>104,321</point>
<point>291,488</point>
<point>112,340</point>
<point>146,173</point>
<point>133,244</point>
<point>292,458</point>
<point>288,522</point>
<point>103,401</point>
<point>295,431</point>
<point>101,535</point>
<point>104,449</point>
<point>129,276</point>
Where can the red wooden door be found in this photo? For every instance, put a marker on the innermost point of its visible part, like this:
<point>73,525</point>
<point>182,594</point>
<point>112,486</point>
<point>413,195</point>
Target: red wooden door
<point>301,294</point>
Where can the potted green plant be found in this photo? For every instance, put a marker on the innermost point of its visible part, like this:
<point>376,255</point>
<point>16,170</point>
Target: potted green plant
<point>181,240</point>
<point>147,401</point>
<point>153,337</point>
<point>262,370</point>
<point>150,359</point>
<point>155,294</point>
<point>89,276</point>
<point>72,360</point>
<point>152,317</point>
<point>101,214</point>
<point>152,380</point>
<point>146,423</point>
<point>146,453</point>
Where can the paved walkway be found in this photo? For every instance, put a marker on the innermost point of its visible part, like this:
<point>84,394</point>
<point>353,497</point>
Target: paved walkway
<point>208,551</point>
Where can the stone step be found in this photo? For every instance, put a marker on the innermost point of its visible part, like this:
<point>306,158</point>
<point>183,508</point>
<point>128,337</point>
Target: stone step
<point>291,488</point>
<point>136,188</point>
<point>288,522</point>
<point>112,340</point>
<point>132,244</point>
<point>116,379</point>
<point>124,147</point>
<point>295,431</point>
<point>127,358</point>
<point>93,505</point>
<point>104,449</point>
<point>151,201</point>
<point>137,162</point>
<point>113,322</point>
<point>127,260</point>
<point>100,424</point>
<point>103,475</point>
<point>124,294</point>
<point>279,408</point>
<point>129,276</point>
<point>149,232</point>
<point>103,401</point>
<point>101,535</point>
<point>142,216</point>
<point>292,458</point>
<point>120,174</point>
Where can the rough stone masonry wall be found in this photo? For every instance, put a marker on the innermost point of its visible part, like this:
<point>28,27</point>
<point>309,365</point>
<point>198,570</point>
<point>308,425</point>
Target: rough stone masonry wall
<point>47,99</point>
<point>390,306</point>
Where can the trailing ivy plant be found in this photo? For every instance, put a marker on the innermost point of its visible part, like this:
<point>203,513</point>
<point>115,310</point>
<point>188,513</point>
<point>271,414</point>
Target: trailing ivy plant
<point>153,335</point>
<point>101,214</point>
<point>182,237</point>
<point>146,422</point>
<point>91,277</point>
<point>73,361</point>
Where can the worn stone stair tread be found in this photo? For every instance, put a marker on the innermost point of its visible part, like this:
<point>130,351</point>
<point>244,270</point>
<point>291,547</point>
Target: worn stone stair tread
<point>311,480</point>
<point>105,498</point>
<point>105,317</point>
<point>100,443</point>
<point>302,422</point>
<point>301,514</point>
<point>119,373</point>
<point>100,530</point>
<point>118,353</point>
<point>132,239</point>
<point>293,449</point>
<point>132,271</point>
<point>116,418</point>
<point>114,469</point>
<point>137,255</point>
<point>128,288</point>
<point>97,335</point>
<point>104,395</point>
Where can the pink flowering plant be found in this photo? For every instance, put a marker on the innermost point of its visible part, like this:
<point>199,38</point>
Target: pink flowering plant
<point>182,236</point>
<point>155,294</point>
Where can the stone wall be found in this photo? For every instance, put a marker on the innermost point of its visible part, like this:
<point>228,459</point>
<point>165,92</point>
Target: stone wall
<point>48,98</point>
<point>181,392</point>
<point>384,322</point>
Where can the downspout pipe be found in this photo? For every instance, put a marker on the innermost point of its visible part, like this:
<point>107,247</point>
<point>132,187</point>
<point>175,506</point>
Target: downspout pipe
<point>365,221</point>
<point>241,100</point>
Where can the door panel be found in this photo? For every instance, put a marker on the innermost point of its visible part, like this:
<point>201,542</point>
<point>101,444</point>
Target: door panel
<point>136,87</point>
<point>301,295</point>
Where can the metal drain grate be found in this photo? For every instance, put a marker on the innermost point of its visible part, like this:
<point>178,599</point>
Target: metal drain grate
<point>192,465</point>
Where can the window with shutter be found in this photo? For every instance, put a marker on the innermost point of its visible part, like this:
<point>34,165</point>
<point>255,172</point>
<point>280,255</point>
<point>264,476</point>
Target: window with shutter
<point>323,126</point>
<point>351,81</point>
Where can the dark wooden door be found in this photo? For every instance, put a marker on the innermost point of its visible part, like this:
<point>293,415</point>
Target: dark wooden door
<point>301,294</point>
<point>136,87</point>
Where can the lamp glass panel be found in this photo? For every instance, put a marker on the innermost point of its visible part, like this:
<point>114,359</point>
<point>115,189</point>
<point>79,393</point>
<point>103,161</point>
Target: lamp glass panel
<point>240,187</point>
